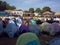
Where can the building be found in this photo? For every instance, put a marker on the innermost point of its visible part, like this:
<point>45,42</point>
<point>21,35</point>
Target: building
<point>14,12</point>
<point>48,14</point>
<point>37,14</point>
<point>3,14</point>
<point>57,14</point>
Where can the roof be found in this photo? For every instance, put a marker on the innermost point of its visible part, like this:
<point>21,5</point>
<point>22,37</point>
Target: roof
<point>57,13</point>
<point>12,10</point>
<point>47,12</point>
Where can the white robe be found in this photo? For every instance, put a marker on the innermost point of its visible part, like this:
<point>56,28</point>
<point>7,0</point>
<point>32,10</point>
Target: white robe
<point>19,22</point>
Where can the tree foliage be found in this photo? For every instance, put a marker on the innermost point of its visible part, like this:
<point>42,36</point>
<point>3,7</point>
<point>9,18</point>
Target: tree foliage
<point>26,11</point>
<point>31,10</point>
<point>38,10</point>
<point>46,9</point>
<point>2,5</point>
<point>5,6</point>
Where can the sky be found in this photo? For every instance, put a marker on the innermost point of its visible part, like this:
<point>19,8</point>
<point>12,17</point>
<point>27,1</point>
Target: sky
<point>26,4</point>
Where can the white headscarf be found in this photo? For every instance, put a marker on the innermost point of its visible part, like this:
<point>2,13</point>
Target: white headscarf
<point>18,21</point>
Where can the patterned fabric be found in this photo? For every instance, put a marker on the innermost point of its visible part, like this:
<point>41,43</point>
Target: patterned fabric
<point>23,28</point>
<point>28,39</point>
<point>35,29</point>
<point>56,27</point>
<point>11,29</point>
<point>55,41</point>
<point>32,21</point>
<point>1,27</point>
<point>18,22</point>
<point>48,28</point>
<point>32,43</point>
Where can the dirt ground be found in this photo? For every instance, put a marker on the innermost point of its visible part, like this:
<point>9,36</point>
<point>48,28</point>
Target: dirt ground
<point>4,40</point>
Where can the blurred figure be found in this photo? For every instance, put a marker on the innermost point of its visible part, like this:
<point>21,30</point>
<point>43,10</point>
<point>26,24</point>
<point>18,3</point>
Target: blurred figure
<point>18,21</point>
<point>33,27</point>
<point>5,22</point>
<point>55,41</point>
<point>24,27</point>
<point>28,39</point>
<point>39,22</point>
<point>50,21</point>
<point>11,28</point>
<point>1,26</point>
<point>56,27</point>
<point>47,28</point>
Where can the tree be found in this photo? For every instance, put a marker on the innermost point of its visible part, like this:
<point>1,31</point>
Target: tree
<point>5,6</point>
<point>38,10</point>
<point>20,10</point>
<point>46,9</point>
<point>2,6</point>
<point>53,12</point>
<point>8,7</point>
<point>26,11</point>
<point>13,7</point>
<point>31,10</point>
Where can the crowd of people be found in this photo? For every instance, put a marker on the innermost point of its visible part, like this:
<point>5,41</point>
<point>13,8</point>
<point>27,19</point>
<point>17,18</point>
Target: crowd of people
<point>17,26</point>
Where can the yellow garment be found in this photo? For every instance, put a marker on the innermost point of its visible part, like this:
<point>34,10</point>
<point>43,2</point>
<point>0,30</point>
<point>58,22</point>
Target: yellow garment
<point>3,18</point>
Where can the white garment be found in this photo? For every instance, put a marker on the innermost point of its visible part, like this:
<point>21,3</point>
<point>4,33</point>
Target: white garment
<point>18,21</point>
<point>11,21</point>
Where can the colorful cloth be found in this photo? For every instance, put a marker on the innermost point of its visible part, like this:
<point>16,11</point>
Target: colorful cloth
<point>1,27</point>
<point>11,29</point>
<point>18,22</point>
<point>28,39</point>
<point>55,41</point>
<point>48,28</point>
<point>32,21</point>
<point>56,27</point>
<point>23,29</point>
<point>34,28</point>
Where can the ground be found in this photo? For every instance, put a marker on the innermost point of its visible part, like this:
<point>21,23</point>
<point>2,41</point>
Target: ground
<point>4,40</point>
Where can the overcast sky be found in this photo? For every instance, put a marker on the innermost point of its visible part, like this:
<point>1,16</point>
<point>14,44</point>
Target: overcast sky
<point>26,4</point>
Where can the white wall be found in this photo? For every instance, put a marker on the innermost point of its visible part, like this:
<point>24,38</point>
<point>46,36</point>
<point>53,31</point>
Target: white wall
<point>17,13</point>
